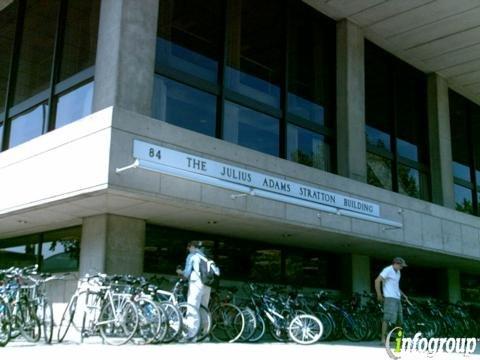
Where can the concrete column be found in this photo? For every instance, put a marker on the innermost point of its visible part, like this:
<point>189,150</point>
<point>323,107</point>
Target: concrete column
<point>361,279</point>
<point>451,285</point>
<point>356,273</point>
<point>351,146</point>
<point>440,144</point>
<point>124,68</point>
<point>112,244</point>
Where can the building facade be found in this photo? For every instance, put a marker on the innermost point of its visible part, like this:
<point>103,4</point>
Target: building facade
<point>304,143</point>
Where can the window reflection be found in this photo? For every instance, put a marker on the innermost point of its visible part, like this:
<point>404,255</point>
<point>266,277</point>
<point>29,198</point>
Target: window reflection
<point>189,34</point>
<point>28,125</point>
<point>36,49</point>
<point>408,181</point>
<point>251,129</point>
<point>60,250</point>
<point>266,265</point>
<point>19,251</point>
<point>378,138</point>
<point>254,56</point>
<point>80,39</point>
<point>74,105</point>
<point>379,171</point>
<point>463,199</point>
<point>311,64</point>
<point>307,148</point>
<point>184,106</point>
<point>7,34</point>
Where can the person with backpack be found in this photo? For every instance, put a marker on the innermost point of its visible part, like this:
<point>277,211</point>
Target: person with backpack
<point>198,292</point>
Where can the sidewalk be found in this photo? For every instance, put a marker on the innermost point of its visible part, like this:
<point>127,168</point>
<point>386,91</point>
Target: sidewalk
<point>93,350</point>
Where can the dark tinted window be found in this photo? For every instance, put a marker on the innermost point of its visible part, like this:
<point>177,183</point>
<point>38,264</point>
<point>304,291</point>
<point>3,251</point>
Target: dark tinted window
<point>7,35</point>
<point>36,49</point>
<point>80,38</point>
<point>189,36</point>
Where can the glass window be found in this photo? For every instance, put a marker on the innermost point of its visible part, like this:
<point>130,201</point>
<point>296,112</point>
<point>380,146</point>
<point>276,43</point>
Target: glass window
<point>411,182</point>
<point>378,138</point>
<point>460,136</point>
<point>235,259</point>
<point>19,251</point>
<point>27,125</point>
<point>74,105</point>
<point>411,112</point>
<point>470,287</point>
<point>80,37</point>
<point>189,36</point>
<point>306,268</point>
<point>311,65</point>
<point>379,171</point>
<point>254,50</point>
<point>60,250</point>
<point>7,35</point>
<point>252,129</point>
<point>378,97</point>
<point>266,265</point>
<point>463,199</point>
<point>307,148</point>
<point>36,49</point>
<point>184,106</point>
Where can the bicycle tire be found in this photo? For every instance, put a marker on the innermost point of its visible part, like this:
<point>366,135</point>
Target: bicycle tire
<point>5,323</point>
<point>46,320</point>
<point>116,331</point>
<point>305,329</point>
<point>67,318</point>
<point>259,330</point>
<point>173,324</point>
<point>250,324</point>
<point>228,323</point>
<point>151,317</point>
<point>190,322</point>
<point>30,327</point>
<point>206,324</point>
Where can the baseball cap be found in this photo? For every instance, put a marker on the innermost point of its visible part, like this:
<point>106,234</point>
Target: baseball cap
<point>399,260</point>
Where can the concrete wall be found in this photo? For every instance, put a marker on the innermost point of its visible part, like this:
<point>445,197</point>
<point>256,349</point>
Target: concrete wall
<point>67,162</point>
<point>426,226</point>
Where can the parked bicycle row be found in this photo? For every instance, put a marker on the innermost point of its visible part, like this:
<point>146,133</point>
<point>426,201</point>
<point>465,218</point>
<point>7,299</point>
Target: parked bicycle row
<point>124,308</point>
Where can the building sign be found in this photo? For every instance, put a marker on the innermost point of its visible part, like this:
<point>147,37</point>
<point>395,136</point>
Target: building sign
<point>147,152</point>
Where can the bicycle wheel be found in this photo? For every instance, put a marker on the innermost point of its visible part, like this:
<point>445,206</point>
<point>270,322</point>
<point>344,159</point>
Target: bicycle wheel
<point>206,324</point>
<point>5,323</point>
<point>150,319</point>
<point>353,328</point>
<point>67,318</point>
<point>305,329</point>
<point>250,324</point>
<point>118,320</point>
<point>173,324</point>
<point>228,323</point>
<point>190,322</point>
<point>259,329</point>
<point>327,323</point>
<point>29,323</point>
<point>45,315</point>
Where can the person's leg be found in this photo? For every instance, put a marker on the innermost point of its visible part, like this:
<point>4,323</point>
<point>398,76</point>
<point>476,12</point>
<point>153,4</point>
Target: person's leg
<point>194,299</point>
<point>206,296</point>
<point>384,330</point>
<point>389,315</point>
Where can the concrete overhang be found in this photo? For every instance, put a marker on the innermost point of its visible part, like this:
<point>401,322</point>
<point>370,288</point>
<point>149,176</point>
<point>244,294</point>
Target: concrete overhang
<point>58,179</point>
<point>441,36</point>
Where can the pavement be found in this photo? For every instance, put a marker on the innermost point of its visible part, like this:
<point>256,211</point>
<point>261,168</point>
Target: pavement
<point>93,349</point>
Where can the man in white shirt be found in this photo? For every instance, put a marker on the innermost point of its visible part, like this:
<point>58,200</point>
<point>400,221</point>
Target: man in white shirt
<point>389,278</point>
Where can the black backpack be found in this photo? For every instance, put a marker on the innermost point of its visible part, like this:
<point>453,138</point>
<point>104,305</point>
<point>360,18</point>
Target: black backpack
<point>209,271</point>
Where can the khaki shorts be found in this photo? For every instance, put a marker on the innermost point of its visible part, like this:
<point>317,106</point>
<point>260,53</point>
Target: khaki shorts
<point>392,311</point>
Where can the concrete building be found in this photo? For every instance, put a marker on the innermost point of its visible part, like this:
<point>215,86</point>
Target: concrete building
<point>304,143</point>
